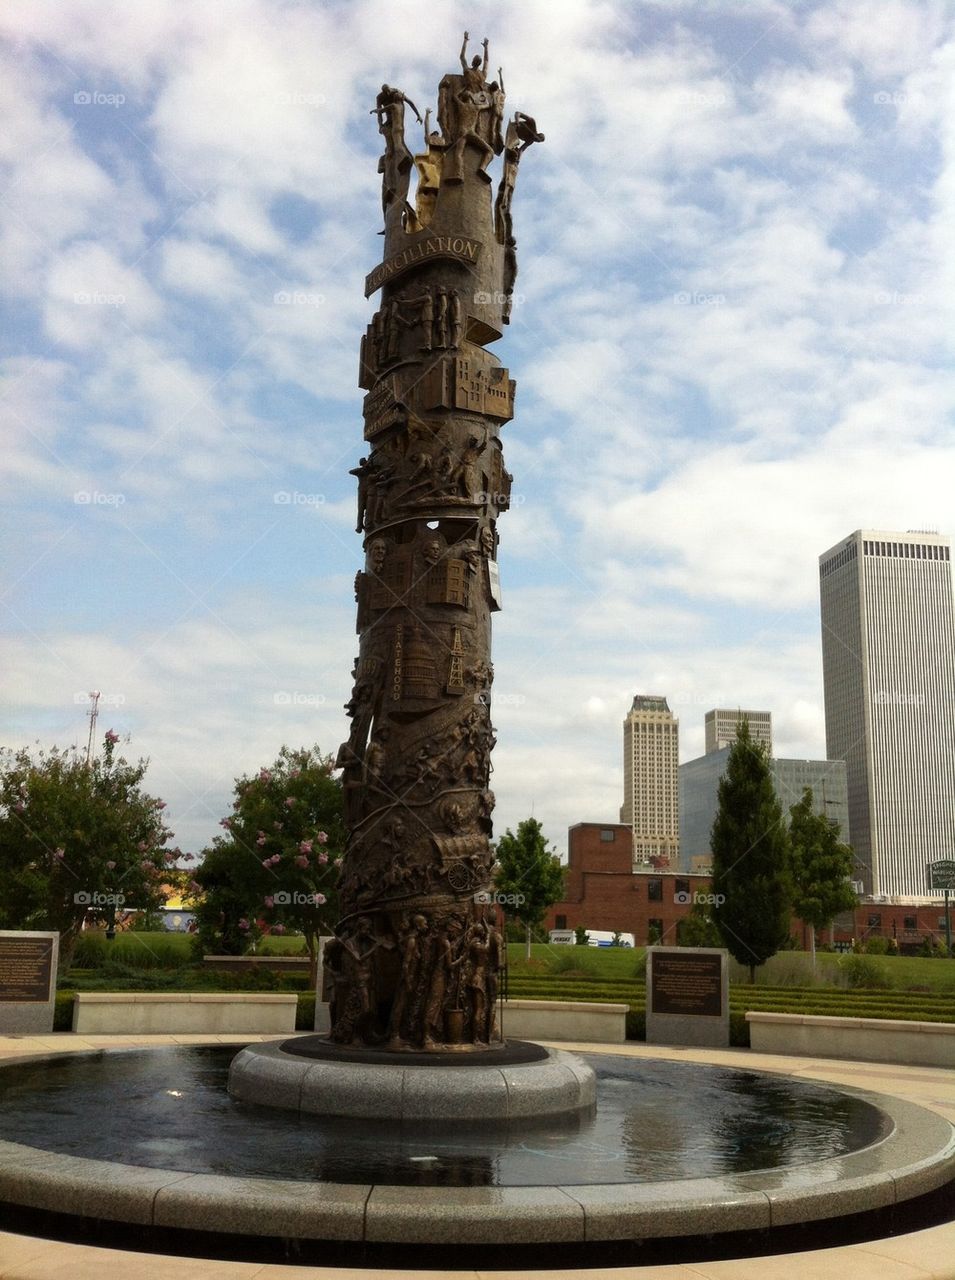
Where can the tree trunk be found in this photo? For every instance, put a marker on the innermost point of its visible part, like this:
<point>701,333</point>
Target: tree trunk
<point>812,944</point>
<point>528,936</point>
<point>752,975</point>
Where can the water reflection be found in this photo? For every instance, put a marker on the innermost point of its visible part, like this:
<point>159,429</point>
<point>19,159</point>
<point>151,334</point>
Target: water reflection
<point>654,1121</point>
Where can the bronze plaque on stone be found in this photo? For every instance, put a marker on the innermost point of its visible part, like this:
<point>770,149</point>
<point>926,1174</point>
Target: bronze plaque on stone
<point>687,984</point>
<point>26,969</point>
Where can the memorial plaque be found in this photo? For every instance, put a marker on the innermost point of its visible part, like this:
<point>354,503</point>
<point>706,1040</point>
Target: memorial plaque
<point>684,982</point>
<point>687,996</point>
<point>27,981</point>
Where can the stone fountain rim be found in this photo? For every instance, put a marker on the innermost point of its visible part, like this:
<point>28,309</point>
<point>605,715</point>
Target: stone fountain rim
<point>916,1157</point>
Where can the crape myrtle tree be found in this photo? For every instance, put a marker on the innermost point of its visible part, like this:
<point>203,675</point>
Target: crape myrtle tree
<point>275,869</point>
<point>528,875</point>
<point>750,847</point>
<point>820,867</point>
<point>79,841</point>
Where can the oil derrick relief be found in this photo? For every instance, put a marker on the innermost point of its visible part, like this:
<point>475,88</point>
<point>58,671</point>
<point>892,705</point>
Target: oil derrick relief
<point>415,960</point>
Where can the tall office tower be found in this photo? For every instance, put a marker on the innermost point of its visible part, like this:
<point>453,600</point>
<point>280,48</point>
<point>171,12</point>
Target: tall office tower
<point>889,677</point>
<point>720,727</point>
<point>650,781</point>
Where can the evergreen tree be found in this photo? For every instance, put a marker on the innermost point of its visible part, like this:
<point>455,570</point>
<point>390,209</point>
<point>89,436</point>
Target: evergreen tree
<point>820,866</point>
<point>750,847</point>
<point>529,877</point>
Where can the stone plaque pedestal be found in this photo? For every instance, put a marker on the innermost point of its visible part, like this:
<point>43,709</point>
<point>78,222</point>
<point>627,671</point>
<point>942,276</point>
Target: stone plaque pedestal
<point>688,996</point>
<point>27,981</point>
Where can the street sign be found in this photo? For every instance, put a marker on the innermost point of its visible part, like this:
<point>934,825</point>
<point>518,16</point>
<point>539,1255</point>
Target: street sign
<point>941,874</point>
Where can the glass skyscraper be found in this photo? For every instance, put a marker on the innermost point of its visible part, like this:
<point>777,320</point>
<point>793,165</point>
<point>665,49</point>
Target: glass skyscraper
<point>888,649</point>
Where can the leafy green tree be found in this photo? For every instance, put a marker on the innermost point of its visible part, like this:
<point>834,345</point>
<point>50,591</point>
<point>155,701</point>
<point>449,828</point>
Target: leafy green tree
<point>529,877</point>
<point>820,866</point>
<point>750,847</point>
<point>78,841</point>
<point>697,929</point>
<point>580,936</point>
<point>276,868</point>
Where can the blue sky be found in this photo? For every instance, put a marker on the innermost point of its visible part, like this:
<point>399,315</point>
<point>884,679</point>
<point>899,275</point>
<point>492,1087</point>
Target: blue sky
<point>731,344</point>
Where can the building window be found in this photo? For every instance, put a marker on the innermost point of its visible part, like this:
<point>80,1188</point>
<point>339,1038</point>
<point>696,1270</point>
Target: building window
<point>681,887</point>
<point>608,836</point>
<point>910,922</point>
<point>655,890</point>
<point>874,921</point>
<point>560,922</point>
<point>654,932</point>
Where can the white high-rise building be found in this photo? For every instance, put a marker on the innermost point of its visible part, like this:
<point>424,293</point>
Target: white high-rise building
<point>651,782</point>
<point>888,652</point>
<point>719,727</point>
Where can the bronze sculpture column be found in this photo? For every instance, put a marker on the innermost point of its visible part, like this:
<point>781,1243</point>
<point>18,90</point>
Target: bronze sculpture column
<point>417,952</point>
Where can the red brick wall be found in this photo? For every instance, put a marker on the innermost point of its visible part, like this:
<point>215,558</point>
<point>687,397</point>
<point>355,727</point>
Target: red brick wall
<point>603,893</point>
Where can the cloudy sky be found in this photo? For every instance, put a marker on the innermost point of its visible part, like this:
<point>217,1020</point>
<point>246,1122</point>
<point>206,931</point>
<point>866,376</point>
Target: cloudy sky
<point>731,344</point>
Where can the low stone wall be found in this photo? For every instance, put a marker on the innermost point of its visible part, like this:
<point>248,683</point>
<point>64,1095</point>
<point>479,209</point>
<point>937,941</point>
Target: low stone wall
<point>923,1044</point>
<point>565,1020</point>
<point>172,1012</point>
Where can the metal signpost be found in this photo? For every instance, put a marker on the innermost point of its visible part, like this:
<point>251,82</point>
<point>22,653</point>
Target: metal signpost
<point>942,876</point>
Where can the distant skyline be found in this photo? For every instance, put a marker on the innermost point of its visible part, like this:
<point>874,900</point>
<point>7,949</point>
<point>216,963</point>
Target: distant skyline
<point>731,340</point>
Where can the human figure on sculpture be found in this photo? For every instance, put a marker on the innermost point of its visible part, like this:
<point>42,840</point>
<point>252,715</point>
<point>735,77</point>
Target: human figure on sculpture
<point>443,965</point>
<point>478,956</point>
<point>395,164</point>
<point>441,318</point>
<point>469,107</point>
<point>425,304</point>
<point>475,75</point>
<point>412,938</point>
<point>457,322</point>
<point>377,554</point>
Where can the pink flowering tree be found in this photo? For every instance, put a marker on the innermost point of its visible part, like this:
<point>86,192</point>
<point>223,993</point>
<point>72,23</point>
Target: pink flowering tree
<point>78,841</point>
<point>275,867</point>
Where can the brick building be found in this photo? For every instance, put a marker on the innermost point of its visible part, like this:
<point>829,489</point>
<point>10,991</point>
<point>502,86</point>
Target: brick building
<point>604,892</point>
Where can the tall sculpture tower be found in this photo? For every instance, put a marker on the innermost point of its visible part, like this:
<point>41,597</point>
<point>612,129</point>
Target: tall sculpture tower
<point>415,960</point>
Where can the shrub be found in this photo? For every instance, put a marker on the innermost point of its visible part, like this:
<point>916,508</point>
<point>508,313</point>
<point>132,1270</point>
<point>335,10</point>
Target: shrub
<point>877,947</point>
<point>63,1011</point>
<point>863,971</point>
<point>636,1024</point>
<point>90,952</point>
<point>305,1012</point>
<point>739,1031</point>
<point>572,961</point>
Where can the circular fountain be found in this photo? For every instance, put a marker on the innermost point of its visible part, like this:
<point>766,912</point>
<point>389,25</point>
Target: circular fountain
<point>670,1150</point>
